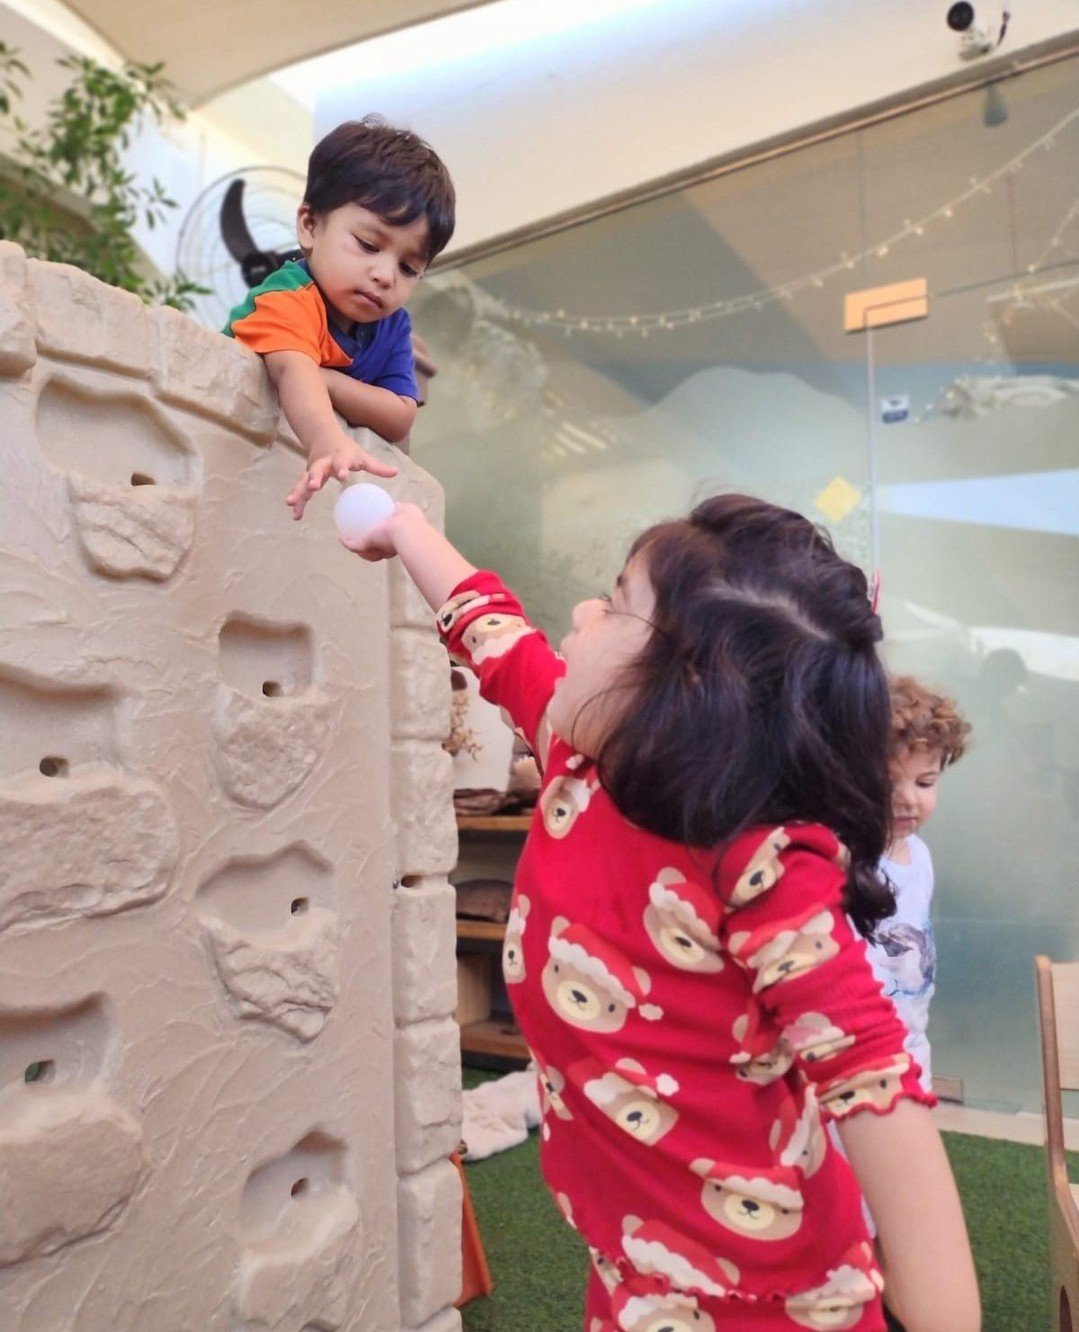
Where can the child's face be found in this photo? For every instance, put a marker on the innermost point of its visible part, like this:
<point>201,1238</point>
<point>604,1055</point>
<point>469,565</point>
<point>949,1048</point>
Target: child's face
<point>366,267</point>
<point>608,634</point>
<point>915,774</point>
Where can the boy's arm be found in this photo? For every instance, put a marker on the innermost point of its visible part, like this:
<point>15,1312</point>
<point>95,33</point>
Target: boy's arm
<point>387,413</point>
<point>902,1169</point>
<point>305,401</point>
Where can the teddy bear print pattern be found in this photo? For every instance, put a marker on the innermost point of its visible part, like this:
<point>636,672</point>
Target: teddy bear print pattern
<point>695,1018</point>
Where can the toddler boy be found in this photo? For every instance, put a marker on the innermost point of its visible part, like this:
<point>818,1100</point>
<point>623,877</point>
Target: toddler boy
<point>928,735</point>
<point>377,208</point>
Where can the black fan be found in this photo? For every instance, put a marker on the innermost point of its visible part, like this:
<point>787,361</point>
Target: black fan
<point>256,264</point>
<point>238,231</point>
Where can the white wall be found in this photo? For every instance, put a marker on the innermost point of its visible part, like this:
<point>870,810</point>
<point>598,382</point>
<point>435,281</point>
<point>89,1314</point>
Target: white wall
<point>260,125</point>
<point>574,111</point>
<point>533,128</point>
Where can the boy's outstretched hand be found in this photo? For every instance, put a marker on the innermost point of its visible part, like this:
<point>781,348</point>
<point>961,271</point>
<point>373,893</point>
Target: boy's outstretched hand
<point>342,457</point>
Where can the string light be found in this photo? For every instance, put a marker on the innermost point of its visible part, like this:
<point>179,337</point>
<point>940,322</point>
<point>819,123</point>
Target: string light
<point>643,324</point>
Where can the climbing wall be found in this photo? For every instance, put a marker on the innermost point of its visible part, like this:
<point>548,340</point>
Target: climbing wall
<point>229,1080</point>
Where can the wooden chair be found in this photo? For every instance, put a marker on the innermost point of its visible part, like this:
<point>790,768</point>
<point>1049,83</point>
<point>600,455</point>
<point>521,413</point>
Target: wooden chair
<point>1058,1018</point>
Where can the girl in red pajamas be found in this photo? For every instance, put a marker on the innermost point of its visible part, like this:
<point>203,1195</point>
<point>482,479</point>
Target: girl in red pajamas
<point>679,955</point>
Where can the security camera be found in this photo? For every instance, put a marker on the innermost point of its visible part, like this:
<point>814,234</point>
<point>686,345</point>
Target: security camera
<point>975,39</point>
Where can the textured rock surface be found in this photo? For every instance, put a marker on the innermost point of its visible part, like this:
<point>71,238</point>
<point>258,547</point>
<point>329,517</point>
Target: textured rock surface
<point>198,1094</point>
<point>17,321</point>
<point>220,379</point>
<point>423,808</point>
<point>428,1062</point>
<point>89,844</point>
<point>424,941</point>
<point>289,979</point>
<point>430,1266</point>
<point>68,1163</point>
<point>266,747</point>
<point>143,530</point>
<point>303,1274</point>
<point>449,1320</point>
<point>75,323</point>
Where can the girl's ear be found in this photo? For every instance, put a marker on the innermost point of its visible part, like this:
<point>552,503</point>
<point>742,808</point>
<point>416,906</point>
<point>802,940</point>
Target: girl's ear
<point>306,222</point>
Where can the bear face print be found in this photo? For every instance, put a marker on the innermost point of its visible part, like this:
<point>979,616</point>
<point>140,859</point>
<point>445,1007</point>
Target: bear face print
<point>513,956</point>
<point>800,1139</point>
<point>682,919</point>
<point>492,635</point>
<point>629,1096</point>
<point>673,1312</point>
<point>605,1269</point>
<point>816,1038</point>
<point>840,1302</point>
<point>763,1068</point>
<point>780,953</point>
<point>450,613</point>
<point>589,983</point>
<point>563,802</point>
<point>876,1086</point>
<point>762,1059</point>
<point>765,1205</point>
<point>656,1249</point>
<point>552,1085</point>
<point>764,870</point>
<point>832,1315</point>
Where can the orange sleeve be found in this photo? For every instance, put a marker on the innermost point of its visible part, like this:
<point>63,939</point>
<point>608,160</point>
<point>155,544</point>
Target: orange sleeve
<point>290,321</point>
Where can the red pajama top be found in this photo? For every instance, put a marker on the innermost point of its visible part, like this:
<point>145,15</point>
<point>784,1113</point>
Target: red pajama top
<point>695,1016</point>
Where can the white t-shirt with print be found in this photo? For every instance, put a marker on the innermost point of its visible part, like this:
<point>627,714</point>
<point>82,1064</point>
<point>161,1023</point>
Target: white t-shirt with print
<point>904,958</point>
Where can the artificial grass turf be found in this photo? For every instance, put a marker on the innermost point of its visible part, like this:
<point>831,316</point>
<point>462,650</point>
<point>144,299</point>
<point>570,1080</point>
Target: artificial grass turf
<point>539,1264</point>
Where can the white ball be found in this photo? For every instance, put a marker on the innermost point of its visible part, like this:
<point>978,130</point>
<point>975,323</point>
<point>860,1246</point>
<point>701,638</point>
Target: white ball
<point>359,508</point>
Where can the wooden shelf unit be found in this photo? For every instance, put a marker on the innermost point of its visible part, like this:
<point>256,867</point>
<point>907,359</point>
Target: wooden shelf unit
<point>488,1039</point>
<point>498,823</point>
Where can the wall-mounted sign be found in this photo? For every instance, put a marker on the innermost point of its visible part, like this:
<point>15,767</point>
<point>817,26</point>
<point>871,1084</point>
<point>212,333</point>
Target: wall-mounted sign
<point>895,409</point>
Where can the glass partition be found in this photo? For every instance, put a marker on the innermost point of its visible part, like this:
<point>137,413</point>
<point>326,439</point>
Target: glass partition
<point>596,380</point>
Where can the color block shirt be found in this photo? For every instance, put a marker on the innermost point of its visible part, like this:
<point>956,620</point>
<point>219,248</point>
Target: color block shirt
<point>696,1015</point>
<point>287,312</point>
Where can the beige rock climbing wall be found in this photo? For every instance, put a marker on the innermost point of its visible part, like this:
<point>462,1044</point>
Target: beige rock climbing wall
<point>228,1073</point>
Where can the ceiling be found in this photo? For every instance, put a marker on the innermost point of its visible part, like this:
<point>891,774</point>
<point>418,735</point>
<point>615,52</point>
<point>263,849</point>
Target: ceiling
<point>214,45</point>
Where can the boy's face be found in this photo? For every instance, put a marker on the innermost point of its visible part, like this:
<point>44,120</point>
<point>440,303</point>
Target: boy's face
<point>915,774</point>
<point>366,267</point>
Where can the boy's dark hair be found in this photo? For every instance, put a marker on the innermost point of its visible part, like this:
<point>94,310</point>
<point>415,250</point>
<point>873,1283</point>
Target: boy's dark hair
<point>392,172</point>
<point>760,698</point>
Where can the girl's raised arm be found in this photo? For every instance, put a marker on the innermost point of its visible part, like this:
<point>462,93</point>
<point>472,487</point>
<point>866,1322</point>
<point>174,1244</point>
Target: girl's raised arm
<point>904,1173</point>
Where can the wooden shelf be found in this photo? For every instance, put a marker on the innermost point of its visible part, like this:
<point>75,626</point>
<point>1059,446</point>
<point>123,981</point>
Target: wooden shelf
<point>487,930</point>
<point>489,1039</point>
<point>495,1037</point>
<point>500,823</point>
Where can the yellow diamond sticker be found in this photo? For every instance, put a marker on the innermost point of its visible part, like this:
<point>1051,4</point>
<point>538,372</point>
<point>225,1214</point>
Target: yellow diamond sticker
<point>837,499</point>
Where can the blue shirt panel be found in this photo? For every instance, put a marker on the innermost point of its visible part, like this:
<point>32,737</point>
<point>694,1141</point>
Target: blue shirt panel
<point>380,352</point>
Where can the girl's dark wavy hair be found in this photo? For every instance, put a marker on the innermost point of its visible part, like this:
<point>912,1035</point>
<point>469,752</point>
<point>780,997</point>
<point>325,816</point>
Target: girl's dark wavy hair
<point>760,698</point>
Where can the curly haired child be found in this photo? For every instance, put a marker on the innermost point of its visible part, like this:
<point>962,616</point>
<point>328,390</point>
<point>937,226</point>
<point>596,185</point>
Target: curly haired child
<point>928,736</point>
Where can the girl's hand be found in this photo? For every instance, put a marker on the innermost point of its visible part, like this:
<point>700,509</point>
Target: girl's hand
<point>380,542</point>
